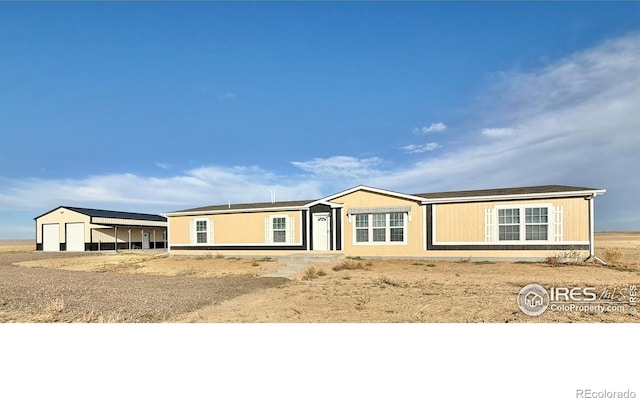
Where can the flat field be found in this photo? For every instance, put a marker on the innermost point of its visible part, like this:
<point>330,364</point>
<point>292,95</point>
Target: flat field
<point>147,287</point>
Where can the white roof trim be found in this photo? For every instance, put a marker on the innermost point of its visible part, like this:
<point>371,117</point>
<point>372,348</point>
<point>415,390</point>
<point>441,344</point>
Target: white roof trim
<point>230,211</point>
<point>370,189</point>
<point>538,195</point>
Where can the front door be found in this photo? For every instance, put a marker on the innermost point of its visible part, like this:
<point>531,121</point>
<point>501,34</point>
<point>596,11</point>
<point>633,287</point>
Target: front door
<point>321,231</point>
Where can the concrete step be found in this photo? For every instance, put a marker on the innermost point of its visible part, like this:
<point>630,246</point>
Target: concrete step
<point>294,263</point>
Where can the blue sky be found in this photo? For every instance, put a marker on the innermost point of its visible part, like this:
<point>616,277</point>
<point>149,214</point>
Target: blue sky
<point>158,106</point>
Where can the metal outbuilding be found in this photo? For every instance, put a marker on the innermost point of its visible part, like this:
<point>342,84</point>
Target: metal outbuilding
<point>78,229</point>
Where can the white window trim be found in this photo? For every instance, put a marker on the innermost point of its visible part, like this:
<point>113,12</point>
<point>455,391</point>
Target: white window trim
<point>404,242</point>
<point>289,230</point>
<point>193,232</point>
<point>523,224</point>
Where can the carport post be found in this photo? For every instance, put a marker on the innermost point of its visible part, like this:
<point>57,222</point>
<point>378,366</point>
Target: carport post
<point>154,238</point>
<point>141,239</point>
<point>129,238</point>
<point>116,235</point>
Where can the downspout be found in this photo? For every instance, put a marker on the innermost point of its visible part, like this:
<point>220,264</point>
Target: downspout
<point>592,240</point>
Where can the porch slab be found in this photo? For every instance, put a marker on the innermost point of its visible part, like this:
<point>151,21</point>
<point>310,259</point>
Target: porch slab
<point>294,263</point>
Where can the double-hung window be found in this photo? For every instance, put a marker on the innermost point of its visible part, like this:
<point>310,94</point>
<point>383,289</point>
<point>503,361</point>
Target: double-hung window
<point>201,231</point>
<point>536,223</point>
<point>279,229</point>
<point>362,227</point>
<point>380,228</point>
<point>509,224</point>
<point>528,223</point>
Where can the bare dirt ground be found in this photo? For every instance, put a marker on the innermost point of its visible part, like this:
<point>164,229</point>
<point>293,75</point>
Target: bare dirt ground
<point>175,289</point>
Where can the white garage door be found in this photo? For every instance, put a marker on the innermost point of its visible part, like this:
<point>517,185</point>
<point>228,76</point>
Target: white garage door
<point>75,237</point>
<point>51,237</point>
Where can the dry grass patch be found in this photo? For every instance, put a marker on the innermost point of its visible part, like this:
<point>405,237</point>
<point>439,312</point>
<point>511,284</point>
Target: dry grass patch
<point>153,264</point>
<point>350,264</point>
<point>312,273</point>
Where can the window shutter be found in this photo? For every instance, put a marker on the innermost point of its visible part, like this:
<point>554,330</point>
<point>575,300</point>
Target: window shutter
<point>290,225</point>
<point>192,232</point>
<point>488,225</point>
<point>558,222</point>
<point>268,236</point>
<point>209,231</point>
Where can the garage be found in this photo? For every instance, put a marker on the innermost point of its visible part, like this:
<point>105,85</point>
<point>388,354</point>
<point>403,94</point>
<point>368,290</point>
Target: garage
<point>51,237</point>
<point>79,229</point>
<point>75,237</point>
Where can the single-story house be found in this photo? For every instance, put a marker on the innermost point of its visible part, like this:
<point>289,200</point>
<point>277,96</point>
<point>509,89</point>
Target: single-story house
<point>527,222</point>
<point>67,228</point>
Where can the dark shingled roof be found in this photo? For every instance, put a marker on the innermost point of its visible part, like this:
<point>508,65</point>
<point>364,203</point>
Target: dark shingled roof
<point>248,206</point>
<point>503,191</point>
<point>116,214</point>
<point>434,195</point>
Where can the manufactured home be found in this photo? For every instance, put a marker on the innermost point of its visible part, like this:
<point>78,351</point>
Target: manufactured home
<point>527,223</point>
<point>78,229</point>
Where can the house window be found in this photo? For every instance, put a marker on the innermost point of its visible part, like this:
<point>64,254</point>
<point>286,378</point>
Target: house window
<point>201,231</point>
<point>279,229</point>
<point>536,223</point>
<point>509,224</point>
<point>512,224</point>
<point>362,228</point>
<point>396,224</point>
<point>380,228</point>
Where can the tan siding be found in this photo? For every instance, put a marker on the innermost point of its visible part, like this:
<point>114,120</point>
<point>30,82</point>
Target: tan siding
<point>464,222</point>
<point>460,222</point>
<point>62,216</point>
<point>106,235</point>
<point>236,228</point>
<point>359,199</point>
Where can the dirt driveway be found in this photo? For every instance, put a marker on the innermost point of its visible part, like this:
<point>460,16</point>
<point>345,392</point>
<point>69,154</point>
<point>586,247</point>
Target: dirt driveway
<point>55,295</point>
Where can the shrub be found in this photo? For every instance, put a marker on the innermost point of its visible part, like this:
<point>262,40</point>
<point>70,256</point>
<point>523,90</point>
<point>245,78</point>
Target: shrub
<point>349,264</point>
<point>310,273</point>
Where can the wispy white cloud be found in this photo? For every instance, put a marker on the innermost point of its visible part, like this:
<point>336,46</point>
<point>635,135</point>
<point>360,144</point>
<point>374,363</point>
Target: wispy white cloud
<point>163,165</point>
<point>130,192</point>
<point>341,167</point>
<point>433,128</point>
<point>572,122</point>
<point>414,148</point>
<point>227,96</point>
<point>497,132</point>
